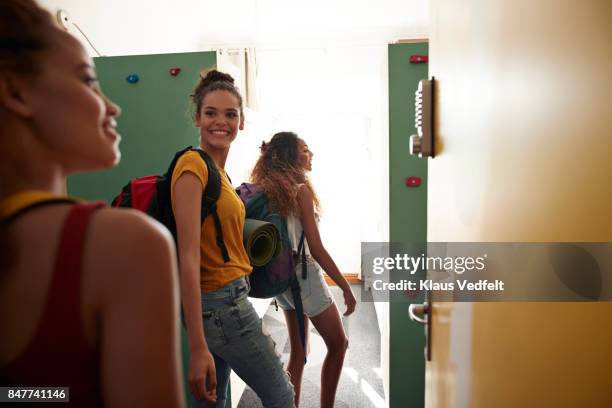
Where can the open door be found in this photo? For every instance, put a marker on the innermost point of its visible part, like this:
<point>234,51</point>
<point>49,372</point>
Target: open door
<point>523,155</point>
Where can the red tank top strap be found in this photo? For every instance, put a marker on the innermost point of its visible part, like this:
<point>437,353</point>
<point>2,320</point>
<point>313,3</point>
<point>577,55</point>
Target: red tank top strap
<point>64,296</point>
<point>59,354</point>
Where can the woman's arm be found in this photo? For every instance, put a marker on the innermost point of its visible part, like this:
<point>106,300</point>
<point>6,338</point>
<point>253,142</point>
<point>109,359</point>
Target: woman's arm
<point>187,209</point>
<point>130,267</point>
<point>318,251</point>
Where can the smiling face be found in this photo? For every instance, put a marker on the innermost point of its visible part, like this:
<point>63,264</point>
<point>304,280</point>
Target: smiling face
<point>70,115</point>
<point>304,155</point>
<point>219,120</point>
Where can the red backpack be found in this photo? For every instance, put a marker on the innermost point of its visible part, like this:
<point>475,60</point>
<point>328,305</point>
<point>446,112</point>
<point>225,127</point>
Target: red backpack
<point>151,194</point>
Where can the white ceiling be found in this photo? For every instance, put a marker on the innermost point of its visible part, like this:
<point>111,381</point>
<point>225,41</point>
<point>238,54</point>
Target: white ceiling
<point>126,27</point>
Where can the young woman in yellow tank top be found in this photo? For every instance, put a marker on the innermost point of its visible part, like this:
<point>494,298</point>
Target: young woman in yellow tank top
<point>223,329</point>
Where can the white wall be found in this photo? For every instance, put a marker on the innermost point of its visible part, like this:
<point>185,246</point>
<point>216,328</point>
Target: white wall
<point>335,99</point>
<point>119,27</point>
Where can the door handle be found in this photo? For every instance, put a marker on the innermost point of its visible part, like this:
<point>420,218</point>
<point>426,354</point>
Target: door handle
<point>418,312</point>
<point>421,313</point>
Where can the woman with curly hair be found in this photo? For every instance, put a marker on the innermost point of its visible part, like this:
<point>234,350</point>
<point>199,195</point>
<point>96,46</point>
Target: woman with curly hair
<point>281,172</point>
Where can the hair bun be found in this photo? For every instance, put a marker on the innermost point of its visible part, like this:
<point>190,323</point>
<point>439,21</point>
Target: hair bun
<point>216,76</point>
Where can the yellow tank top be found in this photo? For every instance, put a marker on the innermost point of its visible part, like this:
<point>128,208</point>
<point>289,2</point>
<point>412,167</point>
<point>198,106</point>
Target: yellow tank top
<point>214,273</point>
<point>18,201</point>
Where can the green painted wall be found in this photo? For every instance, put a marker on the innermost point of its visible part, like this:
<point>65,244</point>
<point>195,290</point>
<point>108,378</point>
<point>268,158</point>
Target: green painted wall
<point>155,120</point>
<point>407,223</point>
<point>154,124</point>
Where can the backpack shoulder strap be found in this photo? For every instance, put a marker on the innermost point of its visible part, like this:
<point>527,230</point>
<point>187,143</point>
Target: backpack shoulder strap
<point>175,160</point>
<point>302,253</point>
<point>211,195</point>
<point>212,192</point>
<point>299,311</point>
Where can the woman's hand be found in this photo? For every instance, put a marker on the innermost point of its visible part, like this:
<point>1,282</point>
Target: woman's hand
<point>203,376</point>
<point>349,301</point>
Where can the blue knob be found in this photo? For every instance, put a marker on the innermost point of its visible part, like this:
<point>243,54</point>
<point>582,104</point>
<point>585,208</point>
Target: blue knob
<point>132,78</point>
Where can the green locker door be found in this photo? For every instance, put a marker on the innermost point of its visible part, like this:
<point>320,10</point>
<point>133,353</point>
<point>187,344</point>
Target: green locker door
<point>154,124</point>
<point>155,120</point>
<point>407,223</point>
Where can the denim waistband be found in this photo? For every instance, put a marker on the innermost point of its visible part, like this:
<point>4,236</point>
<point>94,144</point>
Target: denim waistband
<point>227,294</point>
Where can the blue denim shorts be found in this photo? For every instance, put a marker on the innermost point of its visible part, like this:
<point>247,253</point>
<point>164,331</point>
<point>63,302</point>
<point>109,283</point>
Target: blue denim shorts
<point>235,337</point>
<point>314,292</point>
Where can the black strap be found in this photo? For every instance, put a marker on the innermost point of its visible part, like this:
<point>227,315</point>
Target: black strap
<point>210,196</point>
<point>297,298</point>
<point>37,204</point>
<point>302,254</point>
<point>299,311</point>
<point>220,241</point>
<point>177,156</point>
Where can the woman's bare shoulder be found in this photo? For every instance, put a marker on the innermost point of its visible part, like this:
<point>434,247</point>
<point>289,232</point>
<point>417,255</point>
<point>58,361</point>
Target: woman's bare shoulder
<point>125,239</point>
<point>131,223</point>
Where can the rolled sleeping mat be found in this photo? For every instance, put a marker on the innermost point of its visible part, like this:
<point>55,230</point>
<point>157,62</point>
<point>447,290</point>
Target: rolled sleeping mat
<point>261,241</point>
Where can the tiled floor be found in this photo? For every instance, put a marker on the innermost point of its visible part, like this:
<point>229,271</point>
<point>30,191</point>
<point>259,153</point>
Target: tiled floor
<point>360,384</point>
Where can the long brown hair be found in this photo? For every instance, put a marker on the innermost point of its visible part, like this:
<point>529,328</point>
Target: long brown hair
<point>279,174</point>
<point>26,31</point>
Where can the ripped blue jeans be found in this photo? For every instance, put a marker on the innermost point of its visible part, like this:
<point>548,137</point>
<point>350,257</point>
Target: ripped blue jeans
<point>234,335</point>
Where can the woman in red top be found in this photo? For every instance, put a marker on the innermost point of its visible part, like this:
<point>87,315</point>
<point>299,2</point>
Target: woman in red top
<point>88,295</point>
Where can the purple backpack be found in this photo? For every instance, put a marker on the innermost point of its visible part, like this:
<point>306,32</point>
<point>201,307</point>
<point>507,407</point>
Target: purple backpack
<point>278,275</point>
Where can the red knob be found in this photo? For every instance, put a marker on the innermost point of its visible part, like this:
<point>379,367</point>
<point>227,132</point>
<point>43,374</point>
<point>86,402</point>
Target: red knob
<point>175,71</point>
<point>417,59</point>
<point>413,181</point>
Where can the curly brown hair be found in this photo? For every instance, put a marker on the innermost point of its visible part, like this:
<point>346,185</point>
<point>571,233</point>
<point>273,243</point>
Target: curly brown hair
<point>279,174</point>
